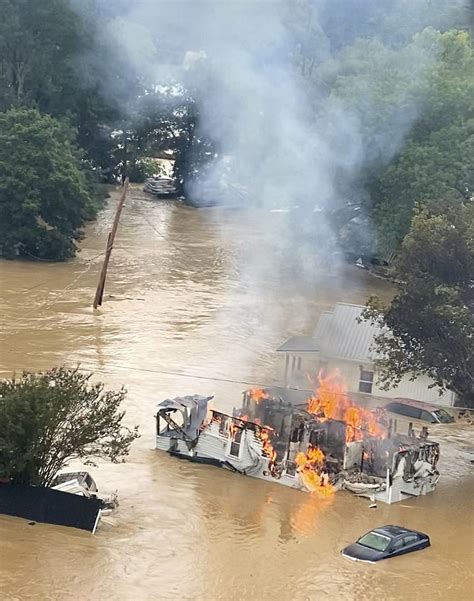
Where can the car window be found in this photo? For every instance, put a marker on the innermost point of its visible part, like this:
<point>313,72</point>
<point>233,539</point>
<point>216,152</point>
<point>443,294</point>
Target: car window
<point>410,539</point>
<point>411,411</point>
<point>374,540</point>
<point>393,407</point>
<point>443,416</point>
<point>427,416</point>
<point>398,544</point>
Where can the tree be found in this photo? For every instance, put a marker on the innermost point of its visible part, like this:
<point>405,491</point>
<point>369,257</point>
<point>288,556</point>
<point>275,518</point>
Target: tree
<point>46,195</point>
<point>437,158</point>
<point>58,56</point>
<point>37,42</point>
<point>429,326</point>
<point>52,418</point>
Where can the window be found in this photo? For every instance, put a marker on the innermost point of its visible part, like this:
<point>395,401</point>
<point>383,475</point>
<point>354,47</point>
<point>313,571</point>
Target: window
<point>236,438</point>
<point>222,424</point>
<point>374,540</point>
<point>428,417</point>
<point>298,364</point>
<point>366,381</point>
<point>404,409</point>
<point>410,539</point>
<point>443,416</point>
<point>410,411</point>
<point>398,544</point>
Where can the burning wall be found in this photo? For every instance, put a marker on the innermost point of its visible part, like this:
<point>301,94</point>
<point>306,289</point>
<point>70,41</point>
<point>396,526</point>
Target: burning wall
<point>329,435</point>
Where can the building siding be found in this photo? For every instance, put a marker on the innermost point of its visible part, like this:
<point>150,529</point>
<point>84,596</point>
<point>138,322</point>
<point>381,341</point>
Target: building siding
<point>311,363</point>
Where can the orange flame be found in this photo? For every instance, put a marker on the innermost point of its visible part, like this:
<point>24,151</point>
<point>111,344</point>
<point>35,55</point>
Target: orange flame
<point>258,394</point>
<point>331,401</point>
<point>311,470</point>
<point>268,449</point>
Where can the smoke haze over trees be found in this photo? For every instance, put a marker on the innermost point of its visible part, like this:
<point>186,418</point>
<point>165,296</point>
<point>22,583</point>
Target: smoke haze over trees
<point>352,117</point>
<point>353,110</point>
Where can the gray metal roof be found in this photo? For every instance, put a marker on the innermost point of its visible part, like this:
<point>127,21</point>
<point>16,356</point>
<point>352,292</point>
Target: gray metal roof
<point>300,344</point>
<point>339,335</point>
<point>343,337</point>
<point>324,324</point>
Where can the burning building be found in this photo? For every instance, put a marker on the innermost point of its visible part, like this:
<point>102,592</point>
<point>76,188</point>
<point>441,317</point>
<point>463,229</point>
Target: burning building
<point>325,445</point>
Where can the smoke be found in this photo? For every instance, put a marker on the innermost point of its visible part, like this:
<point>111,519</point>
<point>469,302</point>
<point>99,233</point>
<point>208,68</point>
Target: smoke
<point>295,104</point>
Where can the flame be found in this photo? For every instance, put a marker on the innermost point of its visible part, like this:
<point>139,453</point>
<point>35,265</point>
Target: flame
<point>258,394</point>
<point>310,466</point>
<point>331,401</point>
<point>268,449</point>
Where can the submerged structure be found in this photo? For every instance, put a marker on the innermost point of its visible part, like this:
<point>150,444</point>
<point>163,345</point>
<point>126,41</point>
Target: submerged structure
<point>72,500</point>
<point>325,445</point>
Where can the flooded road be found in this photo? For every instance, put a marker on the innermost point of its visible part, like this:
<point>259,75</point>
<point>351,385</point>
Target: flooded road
<point>188,309</point>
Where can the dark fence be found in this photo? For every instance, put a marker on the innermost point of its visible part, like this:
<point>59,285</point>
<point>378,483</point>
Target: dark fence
<point>49,506</point>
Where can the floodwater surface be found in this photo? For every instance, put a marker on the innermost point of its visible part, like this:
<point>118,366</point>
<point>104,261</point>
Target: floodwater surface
<point>194,303</point>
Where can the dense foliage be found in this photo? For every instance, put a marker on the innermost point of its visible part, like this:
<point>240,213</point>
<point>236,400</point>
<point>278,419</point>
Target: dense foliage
<point>437,158</point>
<point>45,194</point>
<point>50,419</point>
<point>429,326</point>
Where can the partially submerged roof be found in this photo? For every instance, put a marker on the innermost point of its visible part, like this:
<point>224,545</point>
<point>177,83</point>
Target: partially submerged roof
<point>300,344</point>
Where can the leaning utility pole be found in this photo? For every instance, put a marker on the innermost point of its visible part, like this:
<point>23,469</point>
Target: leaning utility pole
<point>99,293</point>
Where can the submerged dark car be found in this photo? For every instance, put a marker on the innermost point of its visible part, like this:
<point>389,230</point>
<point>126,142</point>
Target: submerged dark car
<point>386,541</point>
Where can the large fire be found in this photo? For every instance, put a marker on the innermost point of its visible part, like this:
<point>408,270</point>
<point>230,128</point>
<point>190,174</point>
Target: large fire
<point>310,466</point>
<point>331,401</point>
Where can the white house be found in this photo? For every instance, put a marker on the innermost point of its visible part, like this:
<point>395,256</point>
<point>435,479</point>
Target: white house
<point>341,341</point>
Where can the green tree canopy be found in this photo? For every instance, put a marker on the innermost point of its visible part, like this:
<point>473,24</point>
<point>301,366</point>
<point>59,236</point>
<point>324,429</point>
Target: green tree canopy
<point>429,326</point>
<point>437,158</point>
<point>45,193</point>
<point>50,419</point>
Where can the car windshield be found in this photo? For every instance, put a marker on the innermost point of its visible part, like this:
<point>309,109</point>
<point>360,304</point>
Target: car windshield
<point>374,540</point>
<point>443,416</point>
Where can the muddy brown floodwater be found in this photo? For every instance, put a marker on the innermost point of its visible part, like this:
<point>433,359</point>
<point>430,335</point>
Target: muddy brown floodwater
<point>182,306</point>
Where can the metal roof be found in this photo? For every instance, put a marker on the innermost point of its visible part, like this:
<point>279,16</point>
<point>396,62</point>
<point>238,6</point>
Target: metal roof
<point>300,344</point>
<point>323,326</point>
<point>338,334</point>
<point>343,337</point>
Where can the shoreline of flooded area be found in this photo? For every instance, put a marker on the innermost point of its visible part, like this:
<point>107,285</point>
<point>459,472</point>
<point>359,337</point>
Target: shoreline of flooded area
<point>184,312</point>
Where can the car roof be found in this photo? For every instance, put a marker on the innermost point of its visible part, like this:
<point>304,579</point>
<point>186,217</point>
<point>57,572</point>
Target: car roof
<point>392,531</point>
<point>413,403</point>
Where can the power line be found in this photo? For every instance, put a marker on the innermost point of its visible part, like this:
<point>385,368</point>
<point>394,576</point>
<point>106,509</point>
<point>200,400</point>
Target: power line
<point>182,374</point>
<point>88,262</point>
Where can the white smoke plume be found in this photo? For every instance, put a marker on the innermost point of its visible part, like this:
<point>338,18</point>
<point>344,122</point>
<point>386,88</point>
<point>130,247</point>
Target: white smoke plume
<point>284,139</point>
